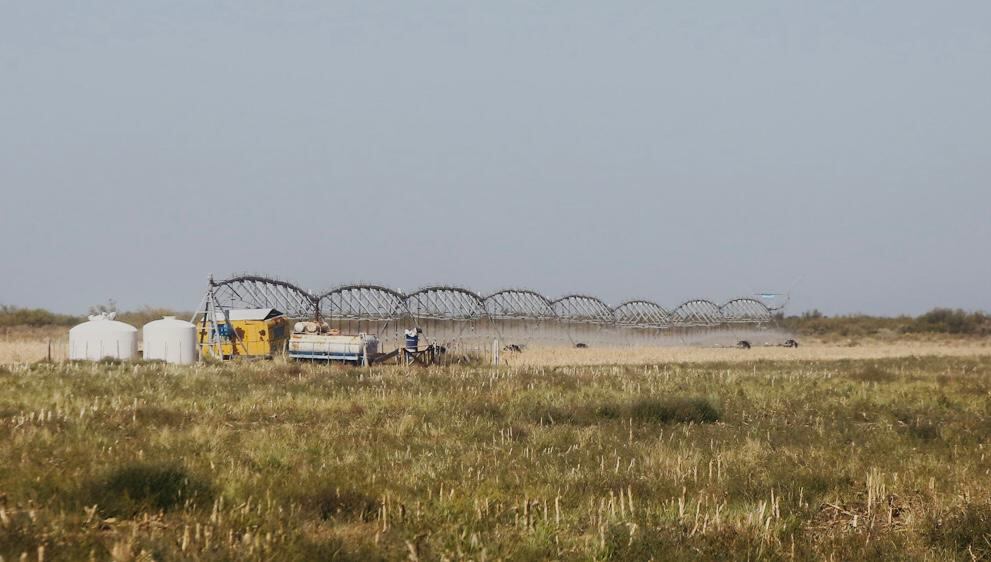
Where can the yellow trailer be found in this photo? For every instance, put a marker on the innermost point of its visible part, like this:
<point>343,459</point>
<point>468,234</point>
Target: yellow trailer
<point>254,332</point>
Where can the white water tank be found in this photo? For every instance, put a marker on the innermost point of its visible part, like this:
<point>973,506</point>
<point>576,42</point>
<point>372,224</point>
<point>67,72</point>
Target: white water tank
<point>170,340</point>
<point>103,337</point>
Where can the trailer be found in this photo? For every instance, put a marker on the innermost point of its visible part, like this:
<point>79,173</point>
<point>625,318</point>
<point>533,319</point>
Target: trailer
<point>314,341</point>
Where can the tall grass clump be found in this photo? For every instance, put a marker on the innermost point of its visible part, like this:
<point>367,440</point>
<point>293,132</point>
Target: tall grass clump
<point>872,373</point>
<point>674,410</point>
<point>648,410</point>
<point>139,487</point>
<point>965,531</point>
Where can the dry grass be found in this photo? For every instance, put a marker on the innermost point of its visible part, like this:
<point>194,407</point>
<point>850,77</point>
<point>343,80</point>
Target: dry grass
<point>29,350</point>
<point>845,460</point>
<point>561,356</point>
<point>27,346</point>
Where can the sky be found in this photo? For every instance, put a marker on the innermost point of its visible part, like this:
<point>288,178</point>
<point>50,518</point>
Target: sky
<point>837,151</point>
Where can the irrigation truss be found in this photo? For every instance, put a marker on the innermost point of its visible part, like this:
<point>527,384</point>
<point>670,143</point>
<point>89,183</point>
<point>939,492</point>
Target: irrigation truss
<point>455,314</point>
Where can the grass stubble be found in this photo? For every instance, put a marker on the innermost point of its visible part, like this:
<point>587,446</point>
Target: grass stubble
<point>846,460</point>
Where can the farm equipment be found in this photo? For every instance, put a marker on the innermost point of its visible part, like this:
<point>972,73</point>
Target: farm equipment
<point>411,354</point>
<point>315,341</point>
<point>250,333</point>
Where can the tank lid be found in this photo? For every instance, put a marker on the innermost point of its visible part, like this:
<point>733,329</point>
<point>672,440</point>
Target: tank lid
<point>102,316</point>
<point>102,325</point>
<point>168,322</point>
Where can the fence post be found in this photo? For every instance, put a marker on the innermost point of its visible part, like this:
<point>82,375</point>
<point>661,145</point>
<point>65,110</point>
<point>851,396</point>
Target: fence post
<point>495,352</point>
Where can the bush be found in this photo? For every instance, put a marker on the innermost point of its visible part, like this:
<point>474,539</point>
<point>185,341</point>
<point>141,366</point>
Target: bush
<point>11,316</point>
<point>815,323</point>
<point>936,321</point>
<point>948,321</point>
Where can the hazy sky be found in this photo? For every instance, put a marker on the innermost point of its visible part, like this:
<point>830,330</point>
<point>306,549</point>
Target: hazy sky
<point>663,150</point>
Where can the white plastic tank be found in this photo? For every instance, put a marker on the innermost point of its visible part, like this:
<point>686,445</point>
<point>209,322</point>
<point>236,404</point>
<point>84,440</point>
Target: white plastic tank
<point>102,337</point>
<point>170,340</point>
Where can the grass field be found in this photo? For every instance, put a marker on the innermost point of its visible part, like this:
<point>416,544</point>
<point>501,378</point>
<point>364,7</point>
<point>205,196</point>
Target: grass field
<point>845,460</point>
<point>814,351</point>
<point>24,346</point>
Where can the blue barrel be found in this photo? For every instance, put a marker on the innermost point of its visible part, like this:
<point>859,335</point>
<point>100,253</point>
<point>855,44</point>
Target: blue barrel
<point>412,342</point>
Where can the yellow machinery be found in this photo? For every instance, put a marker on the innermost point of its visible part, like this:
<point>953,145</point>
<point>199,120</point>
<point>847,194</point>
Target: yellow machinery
<point>253,332</point>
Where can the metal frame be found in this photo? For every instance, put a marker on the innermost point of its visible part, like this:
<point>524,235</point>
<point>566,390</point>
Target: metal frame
<point>367,302</point>
<point>745,311</point>
<point>642,314</point>
<point>697,312</point>
<point>362,302</point>
<point>253,291</point>
<point>583,308</point>
<point>518,304</point>
<point>443,302</point>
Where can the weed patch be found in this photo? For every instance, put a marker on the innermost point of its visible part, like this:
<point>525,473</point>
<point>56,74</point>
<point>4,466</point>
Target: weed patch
<point>966,530</point>
<point>648,410</point>
<point>135,488</point>
<point>674,410</point>
<point>336,503</point>
<point>872,373</point>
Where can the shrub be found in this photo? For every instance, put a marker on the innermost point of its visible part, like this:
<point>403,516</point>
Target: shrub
<point>11,316</point>
<point>948,321</point>
<point>936,321</point>
<point>815,323</point>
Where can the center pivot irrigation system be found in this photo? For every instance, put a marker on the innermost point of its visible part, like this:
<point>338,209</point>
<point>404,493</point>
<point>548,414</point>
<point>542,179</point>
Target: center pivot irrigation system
<point>452,315</point>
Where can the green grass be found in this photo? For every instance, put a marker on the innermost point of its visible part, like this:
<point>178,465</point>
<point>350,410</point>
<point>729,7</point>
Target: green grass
<point>876,460</point>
